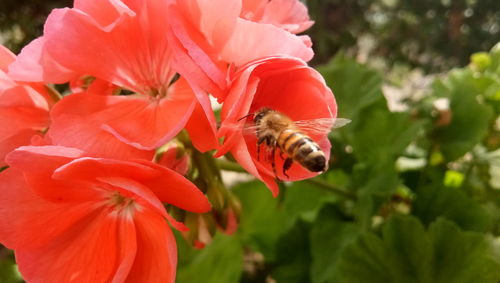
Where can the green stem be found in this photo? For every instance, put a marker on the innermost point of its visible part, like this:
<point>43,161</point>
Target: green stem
<point>230,166</point>
<point>3,168</point>
<point>209,178</point>
<point>320,183</point>
<point>234,167</point>
<point>53,93</point>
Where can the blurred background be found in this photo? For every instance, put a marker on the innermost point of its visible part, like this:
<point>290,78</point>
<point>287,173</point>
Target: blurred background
<point>413,190</point>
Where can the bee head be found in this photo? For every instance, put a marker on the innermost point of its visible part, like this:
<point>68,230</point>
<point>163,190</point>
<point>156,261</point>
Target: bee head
<point>260,114</point>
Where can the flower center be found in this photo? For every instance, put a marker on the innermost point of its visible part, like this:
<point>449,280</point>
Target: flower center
<point>121,203</point>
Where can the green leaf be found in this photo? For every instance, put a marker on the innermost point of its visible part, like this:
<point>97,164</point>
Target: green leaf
<point>406,252</point>
<point>8,270</point>
<point>380,135</point>
<point>436,200</point>
<point>376,183</point>
<point>293,260</point>
<point>304,200</point>
<point>221,261</point>
<point>470,118</point>
<point>355,86</point>
<point>329,236</point>
<point>262,221</point>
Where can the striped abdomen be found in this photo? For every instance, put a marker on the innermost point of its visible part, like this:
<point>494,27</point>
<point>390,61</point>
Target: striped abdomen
<point>302,149</point>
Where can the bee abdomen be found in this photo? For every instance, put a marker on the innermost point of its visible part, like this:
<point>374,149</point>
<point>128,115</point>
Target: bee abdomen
<point>304,150</point>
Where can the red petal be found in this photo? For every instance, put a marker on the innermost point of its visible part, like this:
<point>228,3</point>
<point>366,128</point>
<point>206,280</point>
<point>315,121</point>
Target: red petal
<point>10,143</point>
<point>174,189</point>
<point>76,122</point>
<point>201,131</point>
<point>92,251</point>
<point>39,163</point>
<point>143,195</point>
<point>92,168</point>
<point>28,221</point>
<point>150,124</point>
<point>156,257</point>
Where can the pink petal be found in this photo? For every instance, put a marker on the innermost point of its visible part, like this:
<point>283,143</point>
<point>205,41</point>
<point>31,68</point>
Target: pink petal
<point>6,58</point>
<point>34,64</point>
<point>267,40</point>
<point>133,51</point>
<point>194,55</point>
<point>291,15</point>
<point>105,12</point>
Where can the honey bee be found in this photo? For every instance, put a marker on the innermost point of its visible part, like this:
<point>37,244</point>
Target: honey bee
<point>278,131</point>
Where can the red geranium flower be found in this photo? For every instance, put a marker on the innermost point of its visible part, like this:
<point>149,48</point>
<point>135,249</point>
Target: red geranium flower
<point>290,15</point>
<point>284,84</point>
<point>124,43</point>
<point>78,219</point>
<point>24,109</point>
<point>208,35</point>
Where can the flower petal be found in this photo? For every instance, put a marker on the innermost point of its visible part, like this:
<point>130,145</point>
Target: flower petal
<point>156,257</point>
<point>6,58</point>
<point>34,64</point>
<point>267,40</point>
<point>201,131</point>
<point>76,122</point>
<point>146,124</point>
<point>172,188</point>
<point>28,221</point>
<point>91,251</point>
<point>38,164</point>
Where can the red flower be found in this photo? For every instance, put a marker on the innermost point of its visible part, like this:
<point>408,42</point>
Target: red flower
<point>124,43</point>
<point>290,15</point>
<point>78,219</point>
<point>206,36</point>
<point>284,84</point>
<point>24,110</point>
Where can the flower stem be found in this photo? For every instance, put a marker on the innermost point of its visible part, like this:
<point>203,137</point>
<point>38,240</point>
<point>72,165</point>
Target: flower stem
<point>53,93</point>
<point>320,183</point>
<point>230,166</point>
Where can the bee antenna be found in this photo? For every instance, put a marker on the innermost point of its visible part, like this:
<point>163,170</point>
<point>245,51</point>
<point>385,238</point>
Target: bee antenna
<point>246,116</point>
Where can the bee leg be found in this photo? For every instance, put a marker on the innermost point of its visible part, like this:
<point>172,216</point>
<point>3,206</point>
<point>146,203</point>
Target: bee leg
<point>288,163</point>
<point>273,163</point>
<point>281,155</point>
<point>259,142</point>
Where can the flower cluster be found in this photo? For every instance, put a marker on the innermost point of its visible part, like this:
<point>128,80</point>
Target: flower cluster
<point>90,175</point>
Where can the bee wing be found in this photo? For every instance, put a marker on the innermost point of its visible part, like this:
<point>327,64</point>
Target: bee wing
<point>246,128</point>
<point>321,125</point>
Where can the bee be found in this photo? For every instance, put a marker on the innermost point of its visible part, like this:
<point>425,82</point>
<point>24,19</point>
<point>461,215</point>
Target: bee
<point>278,131</point>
